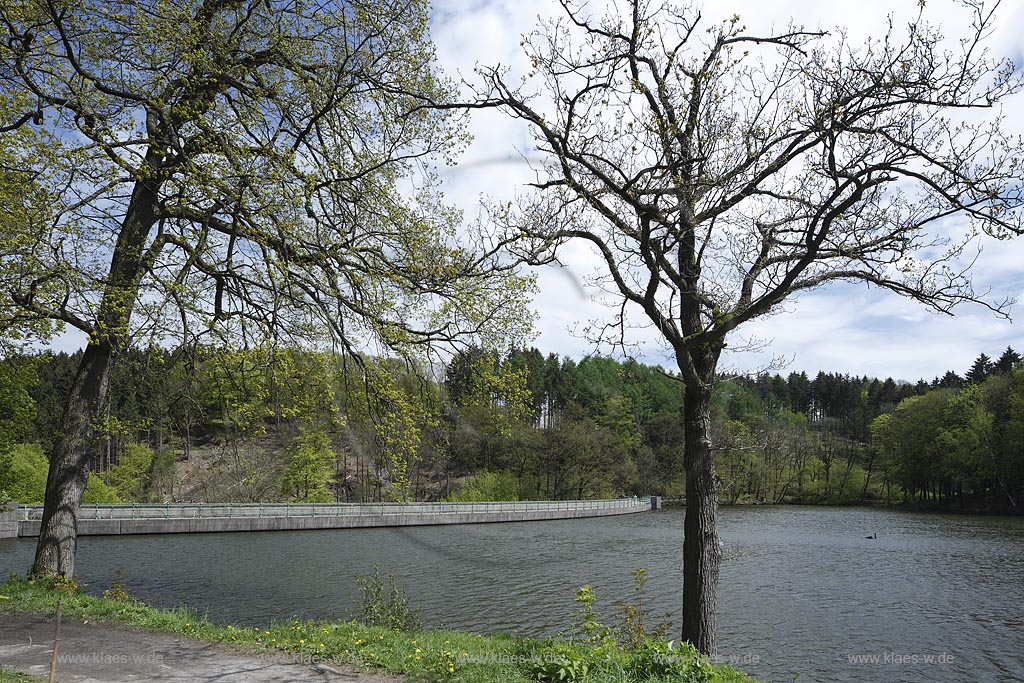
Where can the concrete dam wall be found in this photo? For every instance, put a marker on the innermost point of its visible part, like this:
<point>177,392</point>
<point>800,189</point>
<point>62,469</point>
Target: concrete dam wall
<point>189,518</point>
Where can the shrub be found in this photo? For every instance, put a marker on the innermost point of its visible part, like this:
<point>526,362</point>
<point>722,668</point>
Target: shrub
<point>127,479</point>
<point>385,605</point>
<point>627,651</point>
<point>23,474</point>
<point>488,486</point>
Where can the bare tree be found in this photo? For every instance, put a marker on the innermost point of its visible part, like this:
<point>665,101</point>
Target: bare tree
<point>716,172</point>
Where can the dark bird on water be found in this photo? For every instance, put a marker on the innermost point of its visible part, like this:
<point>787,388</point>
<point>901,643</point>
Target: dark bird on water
<point>874,535</point>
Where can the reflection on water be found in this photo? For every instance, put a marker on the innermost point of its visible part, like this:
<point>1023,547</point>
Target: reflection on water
<point>802,589</point>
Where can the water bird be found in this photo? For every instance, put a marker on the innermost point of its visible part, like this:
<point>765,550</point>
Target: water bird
<point>874,535</point>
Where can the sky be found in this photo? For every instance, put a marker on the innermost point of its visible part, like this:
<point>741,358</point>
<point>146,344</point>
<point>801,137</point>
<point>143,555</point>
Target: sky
<point>846,328</point>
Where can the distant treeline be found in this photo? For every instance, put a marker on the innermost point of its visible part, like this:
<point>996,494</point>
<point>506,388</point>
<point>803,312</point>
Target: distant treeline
<point>955,442</point>
<point>285,424</point>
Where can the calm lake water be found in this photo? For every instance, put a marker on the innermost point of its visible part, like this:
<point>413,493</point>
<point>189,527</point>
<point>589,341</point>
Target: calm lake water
<point>933,598</point>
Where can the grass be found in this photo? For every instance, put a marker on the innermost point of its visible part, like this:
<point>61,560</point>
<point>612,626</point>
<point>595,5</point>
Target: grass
<point>12,676</point>
<point>437,655</point>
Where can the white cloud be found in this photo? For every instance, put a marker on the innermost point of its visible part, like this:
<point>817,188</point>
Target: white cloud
<point>846,332</point>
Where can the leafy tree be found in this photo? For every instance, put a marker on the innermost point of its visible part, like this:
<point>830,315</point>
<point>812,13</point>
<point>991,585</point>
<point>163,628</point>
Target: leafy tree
<point>130,476</point>
<point>531,361</point>
<point>618,416</point>
<point>1009,442</point>
<point>652,390</point>
<point>557,389</point>
<point>884,447</point>
<point>488,486</point>
<point>402,413</point>
<point>735,460</point>
<point>664,435</point>
<point>226,168</point>
<point>23,474</point>
<point>17,410</point>
<point>584,459</point>
<point>236,388</point>
<point>309,469</point>
<point>23,202</point>
<point>492,399</point>
<point>914,435</point>
<point>965,439</point>
<point>594,379</point>
<point>460,374</point>
<point>716,172</point>
<point>55,372</point>
<point>739,401</point>
<point>98,491</point>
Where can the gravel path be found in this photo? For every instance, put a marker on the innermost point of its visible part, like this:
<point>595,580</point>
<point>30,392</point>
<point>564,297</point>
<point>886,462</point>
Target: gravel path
<point>103,652</point>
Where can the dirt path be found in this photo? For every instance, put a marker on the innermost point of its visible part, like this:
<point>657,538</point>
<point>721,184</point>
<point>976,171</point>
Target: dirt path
<point>112,653</point>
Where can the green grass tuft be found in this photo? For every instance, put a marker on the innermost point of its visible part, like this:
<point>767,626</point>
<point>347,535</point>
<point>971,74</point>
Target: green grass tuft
<point>12,676</point>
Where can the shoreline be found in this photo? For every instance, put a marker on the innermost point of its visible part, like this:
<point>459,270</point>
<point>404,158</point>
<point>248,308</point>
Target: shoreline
<point>351,648</point>
<point>913,506</point>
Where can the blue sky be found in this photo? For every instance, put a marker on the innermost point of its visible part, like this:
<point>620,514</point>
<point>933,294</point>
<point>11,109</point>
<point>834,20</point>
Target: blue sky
<point>846,328</point>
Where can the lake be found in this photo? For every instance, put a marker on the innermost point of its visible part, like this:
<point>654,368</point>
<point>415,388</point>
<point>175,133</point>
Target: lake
<point>933,598</point>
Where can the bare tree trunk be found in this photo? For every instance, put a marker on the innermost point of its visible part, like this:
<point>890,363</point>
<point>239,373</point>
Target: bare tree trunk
<point>69,470</point>
<point>702,552</point>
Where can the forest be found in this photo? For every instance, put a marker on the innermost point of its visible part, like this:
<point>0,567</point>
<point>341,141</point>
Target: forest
<point>271,424</point>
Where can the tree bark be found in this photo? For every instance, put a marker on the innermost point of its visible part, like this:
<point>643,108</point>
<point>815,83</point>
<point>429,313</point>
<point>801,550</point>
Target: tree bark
<point>69,465</point>
<point>83,411</point>
<point>702,552</point>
